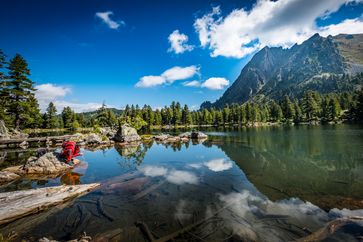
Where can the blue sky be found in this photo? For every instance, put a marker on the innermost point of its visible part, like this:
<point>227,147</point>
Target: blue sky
<point>82,53</point>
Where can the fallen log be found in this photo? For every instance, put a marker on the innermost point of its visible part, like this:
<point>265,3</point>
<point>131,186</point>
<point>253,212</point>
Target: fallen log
<point>18,204</point>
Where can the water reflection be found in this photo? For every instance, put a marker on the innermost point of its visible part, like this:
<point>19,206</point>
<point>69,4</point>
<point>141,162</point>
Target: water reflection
<point>259,185</point>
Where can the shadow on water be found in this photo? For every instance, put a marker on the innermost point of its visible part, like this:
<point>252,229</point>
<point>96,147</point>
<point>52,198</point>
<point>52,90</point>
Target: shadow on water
<point>260,184</point>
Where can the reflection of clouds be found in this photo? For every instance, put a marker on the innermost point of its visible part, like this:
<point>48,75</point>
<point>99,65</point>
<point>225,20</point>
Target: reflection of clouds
<point>182,177</point>
<point>218,165</point>
<point>264,220</point>
<point>173,176</point>
<point>153,170</point>
<point>195,165</point>
<point>182,212</point>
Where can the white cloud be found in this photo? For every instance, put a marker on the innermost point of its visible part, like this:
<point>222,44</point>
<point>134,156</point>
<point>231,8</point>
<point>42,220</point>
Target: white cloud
<point>180,73</point>
<point>348,26</point>
<point>153,170</point>
<point>215,83</point>
<point>150,81</point>
<point>191,84</point>
<point>50,92</point>
<point>178,43</point>
<point>272,23</point>
<point>46,93</point>
<point>106,18</point>
<point>168,76</point>
<point>218,165</point>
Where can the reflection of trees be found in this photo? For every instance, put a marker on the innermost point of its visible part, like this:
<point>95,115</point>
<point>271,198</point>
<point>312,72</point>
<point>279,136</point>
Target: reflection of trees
<point>134,153</point>
<point>308,162</point>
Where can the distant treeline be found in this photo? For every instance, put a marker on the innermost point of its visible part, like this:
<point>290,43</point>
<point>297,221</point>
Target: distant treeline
<point>20,109</point>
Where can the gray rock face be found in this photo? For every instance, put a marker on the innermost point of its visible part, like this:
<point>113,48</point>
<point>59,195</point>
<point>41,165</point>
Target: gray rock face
<point>7,176</point>
<point>107,131</point>
<point>49,163</point>
<point>4,133</point>
<point>93,138</point>
<point>198,135</point>
<point>126,134</point>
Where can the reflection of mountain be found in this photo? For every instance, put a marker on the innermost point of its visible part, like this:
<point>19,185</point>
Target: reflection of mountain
<point>318,165</point>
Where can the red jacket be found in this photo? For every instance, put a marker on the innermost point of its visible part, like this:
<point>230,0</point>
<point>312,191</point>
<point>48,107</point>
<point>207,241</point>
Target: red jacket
<point>70,150</point>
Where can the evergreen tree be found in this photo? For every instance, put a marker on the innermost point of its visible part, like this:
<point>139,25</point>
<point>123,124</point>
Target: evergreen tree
<point>18,90</point>
<point>288,108</point>
<point>310,106</point>
<point>51,120</point>
<point>276,112</point>
<point>67,117</point>
<point>186,116</point>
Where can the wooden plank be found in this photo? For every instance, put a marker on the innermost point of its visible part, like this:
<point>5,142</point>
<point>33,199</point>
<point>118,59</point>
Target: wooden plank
<point>18,204</point>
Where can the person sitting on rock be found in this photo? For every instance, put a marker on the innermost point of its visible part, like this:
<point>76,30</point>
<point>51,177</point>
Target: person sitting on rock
<point>70,150</point>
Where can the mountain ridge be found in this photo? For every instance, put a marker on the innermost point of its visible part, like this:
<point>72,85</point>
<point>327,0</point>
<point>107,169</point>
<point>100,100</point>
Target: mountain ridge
<point>273,71</point>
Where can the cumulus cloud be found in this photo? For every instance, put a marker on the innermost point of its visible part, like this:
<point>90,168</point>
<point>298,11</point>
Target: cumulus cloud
<point>46,93</point>
<point>49,92</point>
<point>169,76</point>
<point>215,83</point>
<point>106,18</point>
<point>272,23</point>
<point>191,84</point>
<point>178,43</point>
<point>218,165</point>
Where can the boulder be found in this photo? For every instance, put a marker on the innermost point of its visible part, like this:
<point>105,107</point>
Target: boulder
<point>198,135</point>
<point>4,133</point>
<point>185,135</point>
<point>108,131</point>
<point>162,137</point>
<point>126,133</point>
<point>93,138</point>
<point>16,134</point>
<point>49,163</point>
<point>7,176</point>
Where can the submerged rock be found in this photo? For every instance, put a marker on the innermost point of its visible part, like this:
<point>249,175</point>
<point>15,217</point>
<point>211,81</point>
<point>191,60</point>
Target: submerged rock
<point>185,135</point>
<point>4,133</point>
<point>126,133</point>
<point>7,176</point>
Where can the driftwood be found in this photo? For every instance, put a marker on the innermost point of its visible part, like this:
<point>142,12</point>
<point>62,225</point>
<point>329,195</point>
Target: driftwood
<point>147,191</point>
<point>331,228</point>
<point>18,204</point>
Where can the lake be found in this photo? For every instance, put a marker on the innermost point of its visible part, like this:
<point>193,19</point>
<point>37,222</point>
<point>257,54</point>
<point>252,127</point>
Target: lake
<point>252,184</point>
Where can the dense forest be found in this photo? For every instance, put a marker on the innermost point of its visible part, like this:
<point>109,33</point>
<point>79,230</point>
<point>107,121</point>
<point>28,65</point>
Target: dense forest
<point>19,108</point>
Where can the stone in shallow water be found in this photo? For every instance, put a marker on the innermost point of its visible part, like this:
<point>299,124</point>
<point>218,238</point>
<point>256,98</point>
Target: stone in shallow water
<point>126,133</point>
<point>198,135</point>
<point>93,138</point>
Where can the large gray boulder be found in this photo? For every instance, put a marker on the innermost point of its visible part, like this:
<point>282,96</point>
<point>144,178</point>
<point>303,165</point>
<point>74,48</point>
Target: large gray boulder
<point>127,134</point>
<point>4,133</point>
<point>49,163</point>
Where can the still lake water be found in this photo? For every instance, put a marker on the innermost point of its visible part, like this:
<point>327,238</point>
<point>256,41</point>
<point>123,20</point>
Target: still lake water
<point>250,184</point>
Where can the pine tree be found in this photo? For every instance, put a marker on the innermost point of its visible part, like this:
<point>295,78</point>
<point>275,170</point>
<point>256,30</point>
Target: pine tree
<point>3,99</point>
<point>288,108</point>
<point>68,117</point>
<point>51,120</point>
<point>18,89</point>
<point>310,106</point>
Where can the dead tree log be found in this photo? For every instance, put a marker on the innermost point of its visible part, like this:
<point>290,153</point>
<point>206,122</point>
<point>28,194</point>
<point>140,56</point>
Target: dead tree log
<point>18,204</point>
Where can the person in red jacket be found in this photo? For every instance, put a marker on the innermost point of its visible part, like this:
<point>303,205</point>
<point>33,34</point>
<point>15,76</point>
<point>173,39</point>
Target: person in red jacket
<point>70,150</point>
